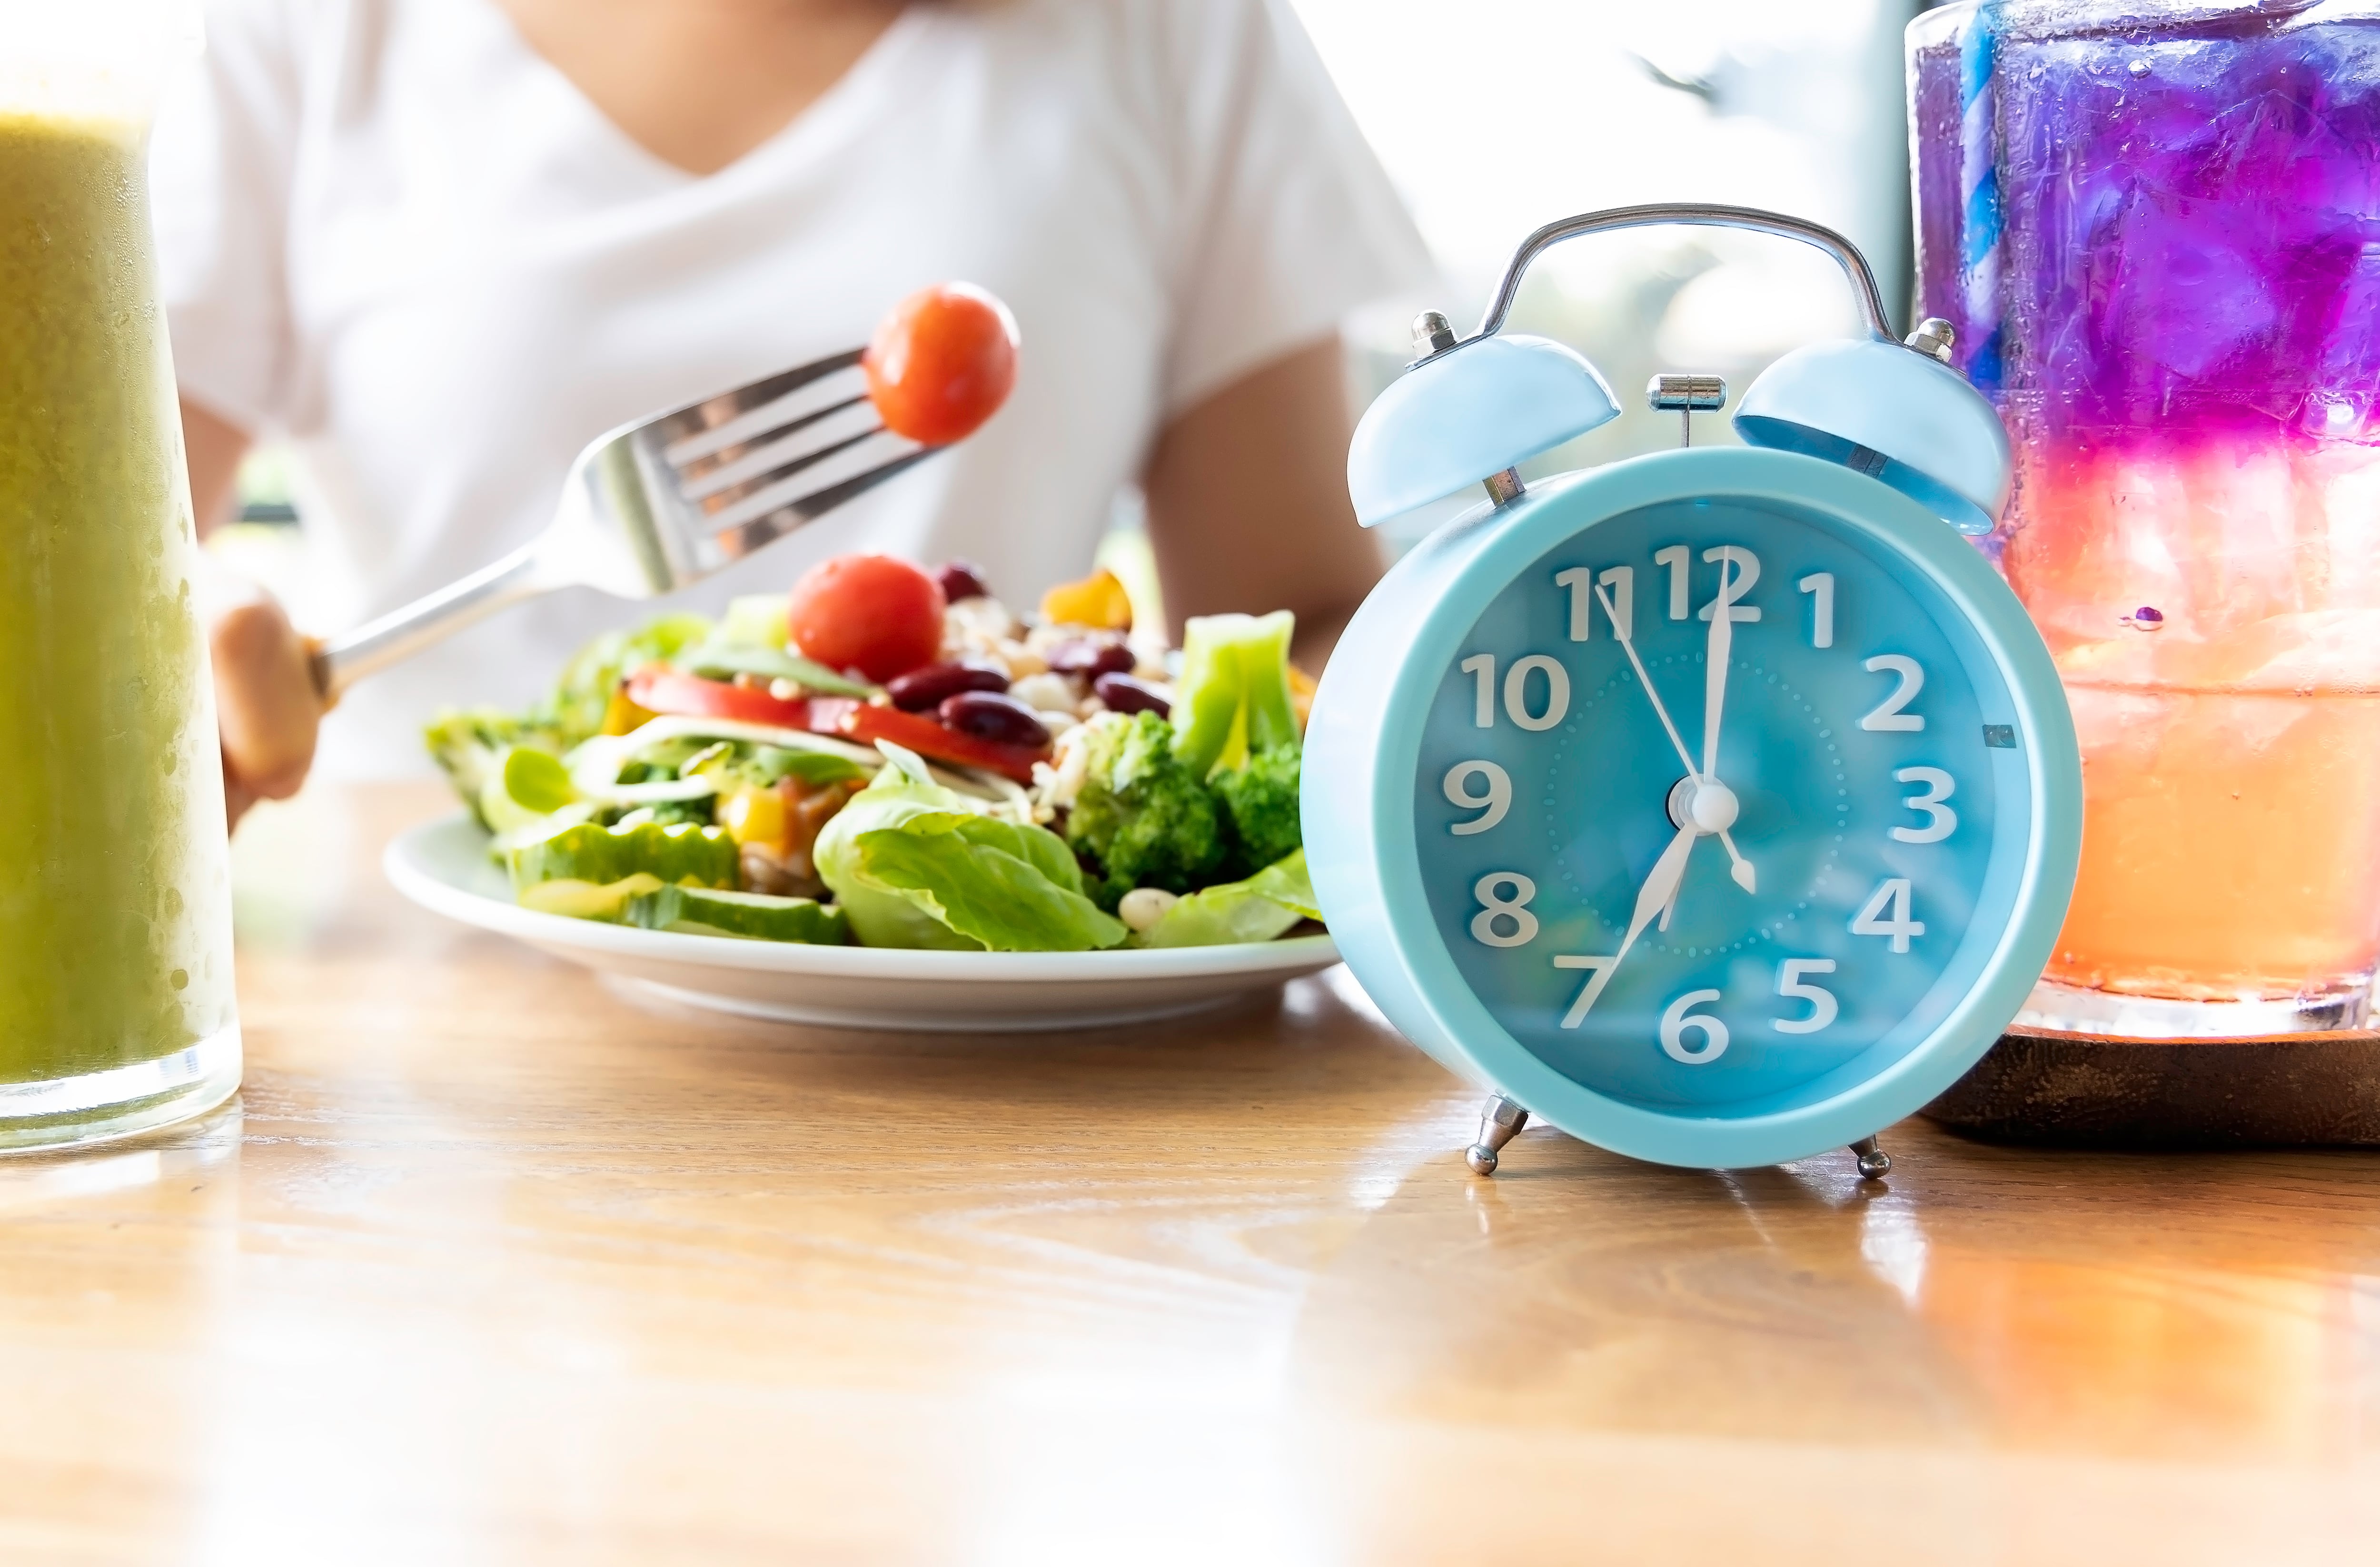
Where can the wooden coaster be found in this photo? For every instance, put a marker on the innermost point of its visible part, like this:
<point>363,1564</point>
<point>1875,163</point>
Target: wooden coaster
<point>2291,1091</point>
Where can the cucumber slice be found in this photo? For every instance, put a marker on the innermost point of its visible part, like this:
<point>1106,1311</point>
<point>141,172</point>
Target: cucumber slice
<point>751,915</point>
<point>587,900</point>
<point>671,852</point>
<point>812,767</point>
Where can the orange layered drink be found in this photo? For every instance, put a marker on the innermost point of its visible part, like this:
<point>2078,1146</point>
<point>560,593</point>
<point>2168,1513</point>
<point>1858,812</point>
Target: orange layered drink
<point>2230,720</point>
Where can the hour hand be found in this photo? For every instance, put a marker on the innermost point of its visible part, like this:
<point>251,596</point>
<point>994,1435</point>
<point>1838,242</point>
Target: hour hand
<point>1660,893</point>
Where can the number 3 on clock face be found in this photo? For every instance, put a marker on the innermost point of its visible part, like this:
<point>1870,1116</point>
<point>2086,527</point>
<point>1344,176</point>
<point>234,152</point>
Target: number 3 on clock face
<point>1851,738</point>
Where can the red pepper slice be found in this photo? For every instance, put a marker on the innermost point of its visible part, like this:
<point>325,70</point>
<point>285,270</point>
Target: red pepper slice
<point>659,689</point>
<point>927,737</point>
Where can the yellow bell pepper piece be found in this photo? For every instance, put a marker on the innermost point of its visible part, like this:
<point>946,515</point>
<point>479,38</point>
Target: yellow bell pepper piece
<point>1097,600</point>
<point>1301,687</point>
<point>754,815</point>
<point>622,716</point>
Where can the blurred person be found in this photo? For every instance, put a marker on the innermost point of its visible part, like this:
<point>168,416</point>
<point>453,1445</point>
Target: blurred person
<point>439,245</point>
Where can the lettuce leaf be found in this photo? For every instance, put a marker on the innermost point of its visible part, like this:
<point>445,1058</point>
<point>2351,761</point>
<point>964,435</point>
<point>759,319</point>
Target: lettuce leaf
<point>1268,905</point>
<point>536,780</point>
<point>724,660</point>
<point>916,864</point>
<point>755,619</point>
<point>472,747</point>
<point>576,708</point>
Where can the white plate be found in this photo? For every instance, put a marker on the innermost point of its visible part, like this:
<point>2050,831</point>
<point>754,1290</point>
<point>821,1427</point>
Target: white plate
<point>443,866</point>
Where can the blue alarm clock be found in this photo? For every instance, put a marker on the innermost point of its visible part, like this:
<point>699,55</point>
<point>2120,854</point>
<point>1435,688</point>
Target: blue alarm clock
<point>1717,806</point>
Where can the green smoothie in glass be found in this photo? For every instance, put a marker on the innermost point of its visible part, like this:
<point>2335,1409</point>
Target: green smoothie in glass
<point>115,976</point>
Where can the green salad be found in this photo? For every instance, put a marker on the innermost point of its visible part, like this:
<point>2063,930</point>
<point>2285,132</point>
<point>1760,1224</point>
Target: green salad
<point>1042,785</point>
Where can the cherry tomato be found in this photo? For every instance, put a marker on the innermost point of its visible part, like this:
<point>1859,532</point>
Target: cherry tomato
<point>927,737</point>
<point>872,613</point>
<point>941,363</point>
<point>659,688</point>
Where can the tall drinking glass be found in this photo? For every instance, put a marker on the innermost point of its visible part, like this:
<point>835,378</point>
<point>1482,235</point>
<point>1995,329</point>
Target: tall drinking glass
<point>115,976</point>
<point>2156,224</point>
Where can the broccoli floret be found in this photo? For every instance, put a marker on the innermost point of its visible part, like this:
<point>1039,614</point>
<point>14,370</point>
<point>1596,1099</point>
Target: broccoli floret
<point>1260,806</point>
<point>1142,818</point>
<point>1236,726</point>
<point>471,743</point>
<point>1233,696</point>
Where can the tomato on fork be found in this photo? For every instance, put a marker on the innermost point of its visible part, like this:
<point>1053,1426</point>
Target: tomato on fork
<point>941,363</point>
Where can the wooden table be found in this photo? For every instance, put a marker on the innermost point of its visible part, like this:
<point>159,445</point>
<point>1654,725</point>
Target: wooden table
<point>493,1265</point>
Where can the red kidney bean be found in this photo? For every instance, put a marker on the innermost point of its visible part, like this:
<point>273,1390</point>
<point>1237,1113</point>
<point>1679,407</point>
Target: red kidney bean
<point>961,579</point>
<point>1086,655</point>
<point>930,687</point>
<point>1125,694</point>
<point>993,715</point>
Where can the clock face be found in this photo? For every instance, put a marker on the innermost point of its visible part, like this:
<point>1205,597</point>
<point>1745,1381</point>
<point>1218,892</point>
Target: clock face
<point>1735,919</point>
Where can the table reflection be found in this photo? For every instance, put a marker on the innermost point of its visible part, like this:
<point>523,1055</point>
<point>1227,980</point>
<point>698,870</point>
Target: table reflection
<point>2025,1301</point>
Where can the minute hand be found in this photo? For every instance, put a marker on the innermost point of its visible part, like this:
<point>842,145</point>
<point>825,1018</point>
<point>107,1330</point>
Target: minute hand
<point>1722,645</point>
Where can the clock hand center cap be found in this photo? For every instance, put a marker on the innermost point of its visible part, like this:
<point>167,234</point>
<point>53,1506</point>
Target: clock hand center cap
<point>1706,804</point>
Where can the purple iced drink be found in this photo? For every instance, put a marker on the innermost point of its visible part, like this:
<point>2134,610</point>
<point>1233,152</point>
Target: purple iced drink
<point>2189,201</point>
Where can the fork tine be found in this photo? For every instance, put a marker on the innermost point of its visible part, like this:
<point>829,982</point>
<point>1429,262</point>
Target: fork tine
<point>751,412</point>
<point>765,492</point>
<point>738,541</point>
<point>826,431</point>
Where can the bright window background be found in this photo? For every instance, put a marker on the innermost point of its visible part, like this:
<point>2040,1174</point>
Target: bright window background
<point>1495,116</point>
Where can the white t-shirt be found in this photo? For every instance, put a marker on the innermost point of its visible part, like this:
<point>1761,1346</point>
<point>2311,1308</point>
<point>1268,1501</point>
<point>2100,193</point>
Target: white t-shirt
<point>392,232</point>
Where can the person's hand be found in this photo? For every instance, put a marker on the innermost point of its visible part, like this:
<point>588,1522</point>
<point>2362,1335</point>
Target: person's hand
<point>265,700</point>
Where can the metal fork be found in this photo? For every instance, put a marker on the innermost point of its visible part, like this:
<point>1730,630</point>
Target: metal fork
<point>662,503</point>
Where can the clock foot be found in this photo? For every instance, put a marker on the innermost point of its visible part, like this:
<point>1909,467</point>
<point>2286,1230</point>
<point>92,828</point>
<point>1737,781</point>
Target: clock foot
<point>1499,1123</point>
<point>1875,1164</point>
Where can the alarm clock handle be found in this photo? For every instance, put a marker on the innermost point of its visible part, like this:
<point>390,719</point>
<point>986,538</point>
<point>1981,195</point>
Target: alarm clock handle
<point>1704,214</point>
